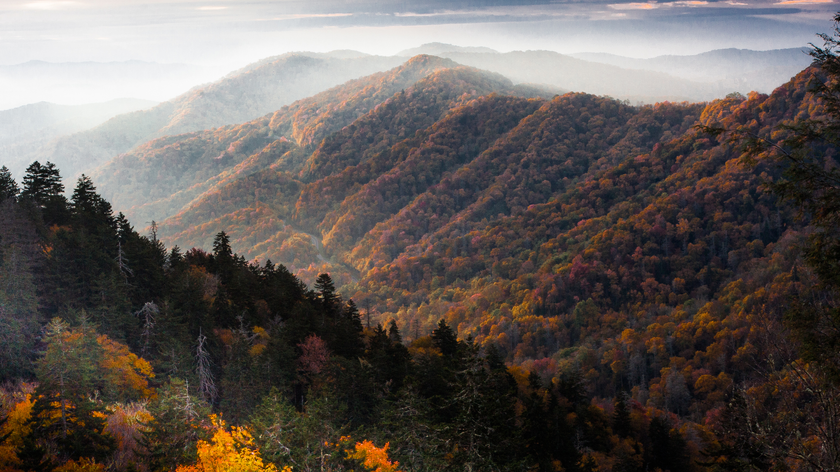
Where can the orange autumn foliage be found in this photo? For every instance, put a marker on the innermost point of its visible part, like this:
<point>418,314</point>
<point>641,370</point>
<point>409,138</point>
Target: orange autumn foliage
<point>373,458</point>
<point>16,428</point>
<point>229,450</point>
<point>123,370</point>
<point>82,465</point>
<point>126,423</point>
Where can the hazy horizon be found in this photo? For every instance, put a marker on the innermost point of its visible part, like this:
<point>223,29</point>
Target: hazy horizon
<point>212,38</point>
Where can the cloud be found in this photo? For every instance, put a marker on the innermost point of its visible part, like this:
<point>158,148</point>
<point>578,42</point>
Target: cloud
<point>634,6</point>
<point>688,3</point>
<point>303,16</point>
<point>211,8</point>
<point>51,5</point>
<point>455,12</point>
<point>803,2</point>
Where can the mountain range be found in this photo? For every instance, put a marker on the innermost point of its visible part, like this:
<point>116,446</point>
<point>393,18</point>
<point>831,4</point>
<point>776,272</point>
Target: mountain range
<point>267,85</point>
<point>739,70</point>
<point>436,188</point>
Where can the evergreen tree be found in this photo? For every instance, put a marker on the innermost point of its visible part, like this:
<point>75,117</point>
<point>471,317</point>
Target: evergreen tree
<point>668,449</point>
<point>387,355</point>
<point>445,339</point>
<point>41,182</point>
<point>65,412</point>
<point>170,438</point>
<point>399,359</point>
<point>346,336</point>
<point>494,359</point>
<point>621,416</point>
<point>223,259</point>
<point>394,332</point>
<point>86,203</point>
<point>325,288</point>
<point>8,187</point>
<point>43,189</point>
<point>221,246</point>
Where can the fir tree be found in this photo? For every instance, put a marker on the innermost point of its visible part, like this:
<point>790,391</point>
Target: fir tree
<point>65,413</point>
<point>394,332</point>
<point>621,416</point>
<point>444,339</point>
<point>170,438</point>
<point>42,188</point>
<point>41,182</point>
<point>8,187</point>
<point>325,288</point>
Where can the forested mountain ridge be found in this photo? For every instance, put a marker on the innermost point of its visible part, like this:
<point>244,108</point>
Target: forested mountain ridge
<point>303,124</point>
<point>375,186</point>
<point>240,96</point>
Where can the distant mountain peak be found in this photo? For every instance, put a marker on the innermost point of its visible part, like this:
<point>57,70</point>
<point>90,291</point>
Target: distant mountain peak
<point>440,48</point>
<point>424,60</point>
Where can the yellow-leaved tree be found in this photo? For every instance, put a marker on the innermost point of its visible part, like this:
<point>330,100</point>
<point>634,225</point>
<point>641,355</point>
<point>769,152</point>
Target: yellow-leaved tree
<point>12,432</point>
<point>82,465</point>
<point>229,450</point>
<point>126,376</point>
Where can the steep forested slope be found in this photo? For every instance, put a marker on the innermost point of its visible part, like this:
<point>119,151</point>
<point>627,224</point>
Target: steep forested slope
<point>429,184</point>
<point>408,154</point>
<point>177,163</point>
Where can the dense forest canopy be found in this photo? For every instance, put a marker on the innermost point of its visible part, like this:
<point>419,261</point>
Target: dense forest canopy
<point>499,281</point>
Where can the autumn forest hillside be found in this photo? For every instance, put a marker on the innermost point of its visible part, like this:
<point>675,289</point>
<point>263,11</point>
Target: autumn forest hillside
<point>476,274</point>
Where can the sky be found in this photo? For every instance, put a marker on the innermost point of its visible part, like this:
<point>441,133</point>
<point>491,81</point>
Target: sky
<point>223,35</point>
<point>210,32</point>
